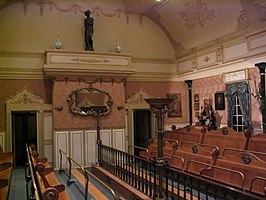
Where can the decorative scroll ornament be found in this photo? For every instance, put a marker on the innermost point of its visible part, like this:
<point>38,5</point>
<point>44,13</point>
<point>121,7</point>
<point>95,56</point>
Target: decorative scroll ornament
<point>243,21</point>
<point>25,97</point>
<point>224,131</point>
<point>219,54</point>
<point>189,128</point>
<point>196,13</point>
<point>246,158</point>
<point>261,10</point>
<point>195,149</point>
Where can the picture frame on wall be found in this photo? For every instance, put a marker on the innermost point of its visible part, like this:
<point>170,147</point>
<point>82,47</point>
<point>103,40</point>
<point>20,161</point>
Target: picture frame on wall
<point>196,106</point>
<point>219,101</point>
<point>196,97</point>
<point>175,107</point>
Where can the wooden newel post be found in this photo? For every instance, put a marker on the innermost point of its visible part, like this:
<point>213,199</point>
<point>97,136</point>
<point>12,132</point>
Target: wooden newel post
<point>159,108</point>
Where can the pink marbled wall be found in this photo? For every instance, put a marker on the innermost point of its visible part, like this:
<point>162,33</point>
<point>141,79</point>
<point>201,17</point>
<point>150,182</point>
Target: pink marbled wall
<point>207,87</point>
<point>66,120</point>
<point>9,88</point>
<point>254,79</point>
<point>161,89</point>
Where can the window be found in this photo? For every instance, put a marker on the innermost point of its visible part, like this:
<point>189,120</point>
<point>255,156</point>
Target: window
<point>238,124</point>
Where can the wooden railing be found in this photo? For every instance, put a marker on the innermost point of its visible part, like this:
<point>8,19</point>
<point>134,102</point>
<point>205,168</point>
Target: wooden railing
<point>142,174</point>
<point>86,175</point>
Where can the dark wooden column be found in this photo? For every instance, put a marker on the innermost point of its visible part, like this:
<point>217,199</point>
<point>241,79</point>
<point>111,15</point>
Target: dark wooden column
<point>159,108</point>
<point>189,85</point>
<point>262,91</point>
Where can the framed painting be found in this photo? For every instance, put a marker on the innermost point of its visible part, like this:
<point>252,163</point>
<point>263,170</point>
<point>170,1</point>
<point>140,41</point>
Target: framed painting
<point>175,108</point>
<point>196,97</point>
<point>196,106</point>
<point>219,101</point>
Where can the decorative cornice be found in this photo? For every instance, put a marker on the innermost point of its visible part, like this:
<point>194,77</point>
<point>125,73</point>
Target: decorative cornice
<point>25,96</point>
<point>138,97</point>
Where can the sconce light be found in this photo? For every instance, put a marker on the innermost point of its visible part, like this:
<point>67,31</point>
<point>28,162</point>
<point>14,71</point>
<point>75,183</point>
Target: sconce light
<point>120,107</point>
<point>59,108</point>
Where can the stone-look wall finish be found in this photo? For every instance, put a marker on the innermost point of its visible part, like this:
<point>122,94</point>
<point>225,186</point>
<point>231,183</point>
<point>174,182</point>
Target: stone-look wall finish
<point>9,88</point>
<point>161,89</point>
<point>66,120</point>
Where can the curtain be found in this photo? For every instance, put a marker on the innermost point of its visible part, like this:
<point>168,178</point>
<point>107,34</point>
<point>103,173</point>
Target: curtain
<point>241,90</point>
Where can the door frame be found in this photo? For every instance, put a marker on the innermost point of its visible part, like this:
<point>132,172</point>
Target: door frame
<point>136,102</point>
<point>26,101</point>
<point>13,113</point>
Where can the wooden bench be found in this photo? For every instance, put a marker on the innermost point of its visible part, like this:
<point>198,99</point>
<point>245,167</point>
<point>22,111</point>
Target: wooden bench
<point>5,178</point>
<point>257,143</point>
<point>196,152</point>
<point>243,170</point>
<point>225,137</point>
<point>46,179</point>
<point>6,157</point>
<point>188,133</point>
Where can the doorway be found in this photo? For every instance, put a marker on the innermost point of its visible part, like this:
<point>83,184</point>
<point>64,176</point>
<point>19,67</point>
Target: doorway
<point>24,130</point>
<point>142,128</point>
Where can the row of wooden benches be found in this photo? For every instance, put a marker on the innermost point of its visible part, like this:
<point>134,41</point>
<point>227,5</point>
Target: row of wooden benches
<point>43,178</point>
<point>222,138</point>
<point>241,168</point>
<point>6,166</point>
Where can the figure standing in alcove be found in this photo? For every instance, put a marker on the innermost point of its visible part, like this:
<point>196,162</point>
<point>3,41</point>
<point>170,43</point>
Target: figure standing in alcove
<point>88,23</point>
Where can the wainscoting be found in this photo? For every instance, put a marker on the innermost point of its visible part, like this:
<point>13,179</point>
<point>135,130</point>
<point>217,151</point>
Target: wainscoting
<point>81,144</point>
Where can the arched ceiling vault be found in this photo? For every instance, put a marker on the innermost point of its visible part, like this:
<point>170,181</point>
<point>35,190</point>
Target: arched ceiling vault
<point>192,24</point>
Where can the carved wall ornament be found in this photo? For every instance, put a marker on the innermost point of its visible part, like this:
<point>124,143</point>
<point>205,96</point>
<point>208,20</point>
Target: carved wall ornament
<point>196,13</point>
<point>219,54</point>
<point>261,11</point>
<point>194,61</point>
<point>243,21</point>
<point>138,97</point>
<point>25,96</point>
<point>206,59</point>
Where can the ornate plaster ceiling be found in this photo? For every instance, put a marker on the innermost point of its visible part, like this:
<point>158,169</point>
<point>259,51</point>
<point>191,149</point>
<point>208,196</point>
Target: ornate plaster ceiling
<point>191,24</point>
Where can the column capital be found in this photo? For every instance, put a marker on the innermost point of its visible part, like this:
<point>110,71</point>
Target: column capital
<point>261,66</point>
<point>189,83</point>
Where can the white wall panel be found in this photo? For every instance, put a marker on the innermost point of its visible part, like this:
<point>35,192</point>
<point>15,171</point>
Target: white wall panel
<point>2,140</point>
<point>76,146</point>
<point>90,147</point>
<point>47,127</point>
<point>106,137</point>
<point>119,139</point>
<point>61,142</point>
<point>235,51</point>
<point>48,152</point>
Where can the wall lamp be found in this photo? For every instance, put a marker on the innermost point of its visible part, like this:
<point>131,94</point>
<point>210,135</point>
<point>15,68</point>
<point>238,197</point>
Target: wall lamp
<point>59,108</point>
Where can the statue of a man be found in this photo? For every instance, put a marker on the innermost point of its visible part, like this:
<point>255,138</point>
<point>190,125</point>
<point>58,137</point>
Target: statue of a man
<point>88,23</point>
